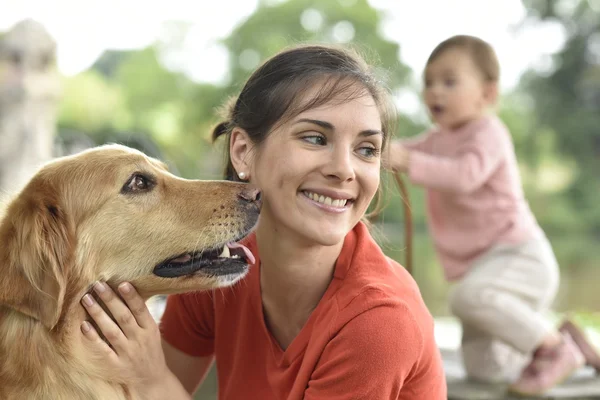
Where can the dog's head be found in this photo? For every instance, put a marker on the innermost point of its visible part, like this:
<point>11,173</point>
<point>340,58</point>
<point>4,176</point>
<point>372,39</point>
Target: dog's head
<point>114,214</point>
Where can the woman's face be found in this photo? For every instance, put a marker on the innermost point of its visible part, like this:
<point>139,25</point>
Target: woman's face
<point>320,170</point>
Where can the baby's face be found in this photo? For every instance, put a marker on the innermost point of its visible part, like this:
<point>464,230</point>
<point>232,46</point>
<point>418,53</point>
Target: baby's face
<point>454,91</point>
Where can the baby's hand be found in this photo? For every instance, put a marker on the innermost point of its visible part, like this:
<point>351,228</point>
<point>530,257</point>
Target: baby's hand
<point>397,157</point>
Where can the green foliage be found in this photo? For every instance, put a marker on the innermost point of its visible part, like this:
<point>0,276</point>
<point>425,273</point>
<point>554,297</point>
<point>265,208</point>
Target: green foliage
<point>179,113</point>
<point>272,28</point>
<point>91,104</point>
<point>589,320</point>
<point>567,101</point>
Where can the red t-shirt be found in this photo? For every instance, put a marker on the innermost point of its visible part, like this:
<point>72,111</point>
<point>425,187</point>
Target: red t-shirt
<point>370,336</point>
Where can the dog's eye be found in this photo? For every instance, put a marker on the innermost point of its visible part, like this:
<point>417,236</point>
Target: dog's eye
<point>138,183</point>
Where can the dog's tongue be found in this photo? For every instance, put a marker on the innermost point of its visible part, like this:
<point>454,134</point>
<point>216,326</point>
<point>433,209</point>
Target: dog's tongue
<point>247,252</point>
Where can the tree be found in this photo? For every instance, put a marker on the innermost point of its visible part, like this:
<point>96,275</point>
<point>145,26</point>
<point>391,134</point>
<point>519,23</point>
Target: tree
<point>273,27</point>
<point>567,100</point>
<point>179,113</point>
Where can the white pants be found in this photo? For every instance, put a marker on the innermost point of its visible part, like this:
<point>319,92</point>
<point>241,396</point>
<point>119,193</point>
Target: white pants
<point>501,303</point>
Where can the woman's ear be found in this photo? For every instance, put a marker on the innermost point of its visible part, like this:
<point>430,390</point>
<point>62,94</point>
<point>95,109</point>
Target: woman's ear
<point>240,150</point>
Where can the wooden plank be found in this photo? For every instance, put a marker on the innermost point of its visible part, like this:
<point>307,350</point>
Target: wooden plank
<point>583,385</point>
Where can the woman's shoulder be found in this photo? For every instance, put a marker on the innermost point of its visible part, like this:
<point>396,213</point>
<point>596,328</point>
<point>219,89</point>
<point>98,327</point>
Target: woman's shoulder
<point>382,284</point>
<point>372,273</point>
<point>381,301</point>
<point>392,316</point>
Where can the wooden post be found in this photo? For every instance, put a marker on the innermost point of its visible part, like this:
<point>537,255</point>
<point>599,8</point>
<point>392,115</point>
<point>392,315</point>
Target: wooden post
<point>29,96</point>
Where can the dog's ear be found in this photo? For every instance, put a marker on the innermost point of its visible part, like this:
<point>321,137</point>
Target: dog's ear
<point>37,244</point>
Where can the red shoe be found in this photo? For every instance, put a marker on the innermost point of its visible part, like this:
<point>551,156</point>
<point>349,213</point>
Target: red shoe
<point>592,357</point>
<point>549,368</point>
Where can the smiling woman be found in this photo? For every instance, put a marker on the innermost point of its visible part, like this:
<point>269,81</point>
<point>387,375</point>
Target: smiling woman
<point>323,313</point>
<point>327,152</point>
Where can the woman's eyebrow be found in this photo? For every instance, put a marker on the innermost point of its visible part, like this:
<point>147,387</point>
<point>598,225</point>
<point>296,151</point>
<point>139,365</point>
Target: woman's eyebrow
<point>329,126</point>
<point>371,132</point>
<point>322,124</point>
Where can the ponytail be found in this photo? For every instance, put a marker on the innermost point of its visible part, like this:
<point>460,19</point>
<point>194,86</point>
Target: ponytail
<point>220,130</point>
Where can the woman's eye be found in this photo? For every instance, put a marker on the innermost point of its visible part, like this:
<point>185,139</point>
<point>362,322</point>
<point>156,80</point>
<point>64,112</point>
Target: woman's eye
<point>137,183</point>
<point>318,140</point>
<point>368,151</point>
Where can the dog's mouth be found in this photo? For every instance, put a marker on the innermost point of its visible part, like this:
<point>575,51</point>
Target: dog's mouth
<point>232,258</point>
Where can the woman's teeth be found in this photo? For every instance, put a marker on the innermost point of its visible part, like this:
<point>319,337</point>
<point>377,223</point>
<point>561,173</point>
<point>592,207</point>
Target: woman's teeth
<point>326,200</point>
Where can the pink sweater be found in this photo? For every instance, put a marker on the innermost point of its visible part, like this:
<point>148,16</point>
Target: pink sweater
<point>475,198</point>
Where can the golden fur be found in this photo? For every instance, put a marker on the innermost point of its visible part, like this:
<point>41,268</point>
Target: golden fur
<point>75,223</point>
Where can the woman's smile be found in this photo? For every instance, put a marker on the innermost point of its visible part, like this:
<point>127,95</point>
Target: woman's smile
<point>334,203</point>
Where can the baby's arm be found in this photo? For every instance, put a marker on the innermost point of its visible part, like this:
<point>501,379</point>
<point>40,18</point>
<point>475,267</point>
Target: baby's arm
<point>475,162</point>
<point>420,142</point>
<point>396,158</point>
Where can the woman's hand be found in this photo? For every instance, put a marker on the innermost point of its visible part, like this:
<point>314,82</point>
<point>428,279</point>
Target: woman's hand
<point>135,340</point>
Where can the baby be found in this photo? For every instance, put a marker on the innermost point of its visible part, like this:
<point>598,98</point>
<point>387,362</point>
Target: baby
<point>485,235</point>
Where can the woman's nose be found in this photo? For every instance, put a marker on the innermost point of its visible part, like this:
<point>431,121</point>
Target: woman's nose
<point>339,165</point>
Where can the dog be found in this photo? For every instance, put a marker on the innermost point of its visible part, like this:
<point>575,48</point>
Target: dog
<point>109,213</point>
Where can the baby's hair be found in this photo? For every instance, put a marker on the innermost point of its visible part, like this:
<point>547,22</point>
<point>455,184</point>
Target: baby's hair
<point>480,51</point>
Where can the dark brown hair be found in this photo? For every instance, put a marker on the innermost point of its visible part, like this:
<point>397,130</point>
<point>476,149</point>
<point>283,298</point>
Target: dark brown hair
<point>480,51</point>
<point>275,92</point>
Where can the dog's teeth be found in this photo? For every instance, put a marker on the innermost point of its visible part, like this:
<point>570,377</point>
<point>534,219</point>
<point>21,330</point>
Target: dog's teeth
<point>225,253</point>
<point>235,256</point>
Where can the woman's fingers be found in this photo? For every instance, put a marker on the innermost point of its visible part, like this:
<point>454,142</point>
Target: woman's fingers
<point>137,305</point>
<point>92,335</point>
<point>119,310</point>
<point>107,326</point>
<point>131,341</point>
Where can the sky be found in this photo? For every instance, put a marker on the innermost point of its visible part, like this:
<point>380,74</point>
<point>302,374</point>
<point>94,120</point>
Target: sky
<point>85,28</point>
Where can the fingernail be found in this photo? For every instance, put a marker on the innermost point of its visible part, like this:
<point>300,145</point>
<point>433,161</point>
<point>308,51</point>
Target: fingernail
<point>99,287</point>
<point>125,287</point>
<point>88,300</point>
<point>85,327</point>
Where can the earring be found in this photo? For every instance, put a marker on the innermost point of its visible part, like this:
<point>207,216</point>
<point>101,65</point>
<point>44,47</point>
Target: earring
<point>242,176</point>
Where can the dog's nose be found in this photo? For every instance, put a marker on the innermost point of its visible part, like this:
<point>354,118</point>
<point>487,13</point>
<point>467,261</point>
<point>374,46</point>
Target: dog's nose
<point>251,194</point>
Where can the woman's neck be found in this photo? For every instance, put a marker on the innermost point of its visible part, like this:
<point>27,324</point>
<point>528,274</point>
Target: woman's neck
<point>294,276</point>
<point>294,273</point>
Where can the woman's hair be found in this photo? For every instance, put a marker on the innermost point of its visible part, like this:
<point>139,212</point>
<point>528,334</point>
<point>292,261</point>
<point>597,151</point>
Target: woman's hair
<point>275,92</point>
<point>480,51</point>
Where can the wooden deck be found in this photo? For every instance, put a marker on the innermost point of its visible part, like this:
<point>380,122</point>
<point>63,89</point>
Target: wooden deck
<point>583,385</point>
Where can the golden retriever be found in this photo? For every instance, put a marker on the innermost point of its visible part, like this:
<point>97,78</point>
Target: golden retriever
<point>113,214</point>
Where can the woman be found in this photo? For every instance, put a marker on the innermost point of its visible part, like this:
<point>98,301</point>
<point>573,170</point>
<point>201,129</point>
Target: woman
<point>323,314</point>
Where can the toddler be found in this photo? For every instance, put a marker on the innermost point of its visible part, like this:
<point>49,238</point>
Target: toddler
<point>485,235</point>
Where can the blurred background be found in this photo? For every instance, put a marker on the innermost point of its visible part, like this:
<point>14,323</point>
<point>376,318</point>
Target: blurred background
<point>152,75</point>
